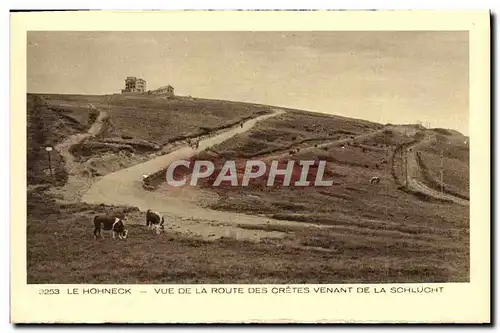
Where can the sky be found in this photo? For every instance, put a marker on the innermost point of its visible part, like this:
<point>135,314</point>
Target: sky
<point>386,77</point>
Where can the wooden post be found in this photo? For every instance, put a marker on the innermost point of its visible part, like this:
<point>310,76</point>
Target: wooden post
<point>442,171</point>
<point>406,170</point>
<point>403,166</point>
<point>386,173</point>
<point>48,150</point>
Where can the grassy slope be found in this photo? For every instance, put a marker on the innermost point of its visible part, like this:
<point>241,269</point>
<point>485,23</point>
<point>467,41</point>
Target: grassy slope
<point>160,120</point>
<point>455,161</point>
<point>376,218</point>
<point>419,241</point>
<point>58,254</point>
<point>47,126</point>
<point>149,121</point>
<point>294,129</point>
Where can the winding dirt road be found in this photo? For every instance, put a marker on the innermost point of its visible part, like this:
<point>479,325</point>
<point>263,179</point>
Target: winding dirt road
<point>181,207</point>
<point>124,187</point>
<point>413,170</point>
<point>73,188</point>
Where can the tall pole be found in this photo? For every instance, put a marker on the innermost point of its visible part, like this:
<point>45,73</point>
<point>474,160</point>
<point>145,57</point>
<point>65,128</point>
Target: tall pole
<point>50,165</point>
<point>406,168</point>
<point>48,150</point>
<point>386,264</point>
<point>442,171</point>
<point>386,164</point>
<point>403,165</point>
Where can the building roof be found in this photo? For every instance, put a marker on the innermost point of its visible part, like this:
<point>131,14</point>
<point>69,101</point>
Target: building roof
<point>134,78</point>
<point>164,87</point>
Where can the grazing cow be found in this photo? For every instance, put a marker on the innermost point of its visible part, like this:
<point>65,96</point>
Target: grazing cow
<point>155,221</point>
<point>109,224</point>
<point>375,180</point>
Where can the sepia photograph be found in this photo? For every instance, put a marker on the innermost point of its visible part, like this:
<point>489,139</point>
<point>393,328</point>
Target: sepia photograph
<point>294,157</point>
<point>255,163</point>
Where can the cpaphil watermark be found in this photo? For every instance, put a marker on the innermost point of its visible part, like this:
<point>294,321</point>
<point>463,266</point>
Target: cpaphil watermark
<point>299,173</point>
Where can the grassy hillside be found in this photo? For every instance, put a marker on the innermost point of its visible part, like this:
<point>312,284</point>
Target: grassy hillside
<point>159,120</point>
<point>377,233</point>
<point>138,125</point>
<point>48,126</point>
<point>381,218</point>
<point>58,254</point>
<point>350,166</point>
<point>292,130</point>
<point>455,149</point>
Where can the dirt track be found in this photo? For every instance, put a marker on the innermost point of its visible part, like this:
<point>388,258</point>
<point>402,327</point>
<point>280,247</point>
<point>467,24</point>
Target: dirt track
<point>63,147</point>
<point>73,188</point>
<point>414,171</point>
<point>181,208</point>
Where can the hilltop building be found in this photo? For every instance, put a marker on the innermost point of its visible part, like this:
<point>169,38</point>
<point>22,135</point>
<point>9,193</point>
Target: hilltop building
<point>165,91</point>
<point>137,85</point>
<point>134,85</point>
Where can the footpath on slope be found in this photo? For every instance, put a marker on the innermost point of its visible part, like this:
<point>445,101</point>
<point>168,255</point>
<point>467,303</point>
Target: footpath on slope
<point>77,184</point>
<point>414,170</point>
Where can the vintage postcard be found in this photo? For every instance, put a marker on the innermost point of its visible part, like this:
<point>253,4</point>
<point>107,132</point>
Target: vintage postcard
<point>250,166</point>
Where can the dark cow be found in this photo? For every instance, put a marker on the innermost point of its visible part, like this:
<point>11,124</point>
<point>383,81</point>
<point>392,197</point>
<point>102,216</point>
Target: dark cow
<point>109,224</point>
<point>155,221</point>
